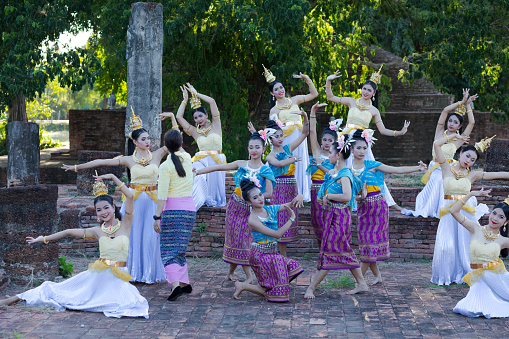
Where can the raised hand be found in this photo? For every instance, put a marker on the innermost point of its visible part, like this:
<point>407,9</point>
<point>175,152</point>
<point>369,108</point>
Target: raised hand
<point>185,94</point>
<point>334,76</point>
<point>405,127</point>
<point>31,240</point>
<point>165,115</point>
<point>464,138</point>
<point>472,98</point>
<point>465,95</point>
<point>104,176</point>
<point>250,127</point>
<point>298,201</point>
<point>288,207</point>
<point>296,158</point>
<point>300,76</point>
<point>481,193</point>
<point>422,166</point>
<point>315,107</point>
<point>191,89</point>
<point>68,167</point>
<point>302,112</point>
<point>364,191</point>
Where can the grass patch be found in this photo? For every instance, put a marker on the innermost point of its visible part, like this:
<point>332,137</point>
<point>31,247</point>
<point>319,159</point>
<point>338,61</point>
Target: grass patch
<point>341,281</point>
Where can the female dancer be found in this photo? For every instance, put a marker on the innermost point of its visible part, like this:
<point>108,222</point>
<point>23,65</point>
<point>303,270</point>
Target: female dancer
<point>208,136</point>
<point>336,196</point>
<point>431,197</point>
<point>450,256</point>
<point>318,165</point>
<point>238,238</point>
<point>373,213</point>
<point>360,113</point>
<point>105,286</point>
<point>273,271</point>
<point>488,295</point>
<point>281,160</point>
<point>176,213</point>
<point>144,260</point>
<point>281,109</point>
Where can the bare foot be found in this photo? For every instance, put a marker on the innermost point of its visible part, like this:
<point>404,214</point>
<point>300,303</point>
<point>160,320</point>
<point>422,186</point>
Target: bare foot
<point>309,293</point>
<point>238,290</point>
<point>378,280</point>
<point>361,288</point>
<point>232,277</point>
<point>249,280</point>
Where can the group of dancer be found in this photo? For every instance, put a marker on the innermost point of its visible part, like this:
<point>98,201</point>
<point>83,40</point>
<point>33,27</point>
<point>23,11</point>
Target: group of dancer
<point>146,239</point>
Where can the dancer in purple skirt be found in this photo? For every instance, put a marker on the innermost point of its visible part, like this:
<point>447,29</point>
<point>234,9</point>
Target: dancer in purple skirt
<point>336,196</point>
<point>373,211</point>
<point>281,162</point>
<point>319,165</point>
<point>273,271</point>
<point>238,237</point>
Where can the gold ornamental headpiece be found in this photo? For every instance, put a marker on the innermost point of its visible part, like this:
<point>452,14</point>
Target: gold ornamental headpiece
<point>100,188</point>
<point>461,110</point>
<point>376,77</point>
<point>506,201</point>
<point>484,144</point>
<point>135,122</point>
<point>268,75</point>
<point>195,101</point>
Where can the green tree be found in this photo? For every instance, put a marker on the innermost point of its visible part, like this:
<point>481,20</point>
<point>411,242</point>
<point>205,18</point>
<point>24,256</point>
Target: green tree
<point>29,58</point>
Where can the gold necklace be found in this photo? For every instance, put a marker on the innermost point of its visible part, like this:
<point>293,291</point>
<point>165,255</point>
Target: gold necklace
<point>285,106</point>
<point>489,235</point>
<point>142,161</point>
<point>204,131</point>
<point>357,172</point>
<point>457,173</point>
<point>361,106</point>
<point>111,229</point>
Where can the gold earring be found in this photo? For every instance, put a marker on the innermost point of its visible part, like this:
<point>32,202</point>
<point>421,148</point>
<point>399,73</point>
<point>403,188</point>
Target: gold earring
<point>98,220</point>
<point>505,227</point>
<point>373,98</point>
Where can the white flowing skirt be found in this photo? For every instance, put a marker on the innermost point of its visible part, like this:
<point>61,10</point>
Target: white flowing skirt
<point>369,156</point>
<point>431,197</point>
<point>303,179</point>
<point>92,292</point>
<point>488,297</point>
<point>209,189</point>
<point>144,261</point>
<point>451,260</point>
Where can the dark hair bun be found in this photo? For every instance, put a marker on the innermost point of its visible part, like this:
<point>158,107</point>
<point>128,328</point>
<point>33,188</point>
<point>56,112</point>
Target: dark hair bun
<point>246,185</point>
<point>358,133</point>
<point>272,124</point>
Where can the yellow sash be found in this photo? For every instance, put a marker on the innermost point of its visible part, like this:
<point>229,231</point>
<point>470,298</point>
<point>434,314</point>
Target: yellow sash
<point>99,266</point>
<point>202,154</point>
<point>495,266</point>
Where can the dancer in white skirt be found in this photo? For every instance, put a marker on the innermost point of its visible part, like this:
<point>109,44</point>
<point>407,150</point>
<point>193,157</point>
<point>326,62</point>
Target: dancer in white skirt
<point>105,286</point>
<point>210,188</point>
<point>450,257</point>
<point>360,113</point>
<point>144,262</point>
<point>281,111</point>
<point>488,295</point>
<point>431,197</point>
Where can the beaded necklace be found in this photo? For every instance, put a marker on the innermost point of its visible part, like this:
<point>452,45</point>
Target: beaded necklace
<point>489,235</point>
<point>457,173</point>
<point>357,172</point>
<point>111,229</point>
<point>142,161</point>
<point>361,106</point>
<point>204,131</point>
<point>285,106</point>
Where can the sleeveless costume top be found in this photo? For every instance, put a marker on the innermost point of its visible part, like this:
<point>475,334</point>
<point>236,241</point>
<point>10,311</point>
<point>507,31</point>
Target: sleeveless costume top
<point>455,189</point>
<point>449,149</point>
<point>263,174</point>
<point>332,186</point>
<point>488,256</point>
<point>357,119</point>
<point>210,144</point>
<point>114,251</point>
<point>144,177</point>
<point>289,120</point>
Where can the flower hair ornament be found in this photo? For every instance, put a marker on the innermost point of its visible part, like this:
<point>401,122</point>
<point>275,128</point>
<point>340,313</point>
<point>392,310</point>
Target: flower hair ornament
<point>266,133</point>
<point>367,134</point>
<point>254,180</point>
<point>334,125</point>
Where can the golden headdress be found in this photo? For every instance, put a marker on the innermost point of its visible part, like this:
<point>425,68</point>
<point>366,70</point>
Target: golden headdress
<point>100,188</point>
<point>484,144</point>
<point>506,201</point>
<point>376,77</point>
<point>461,110</point>
<point>135,122</point>
<point>268,75</point>
<point>195,101</point>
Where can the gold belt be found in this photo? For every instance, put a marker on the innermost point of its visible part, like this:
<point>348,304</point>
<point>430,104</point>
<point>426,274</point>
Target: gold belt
<point>477,266</point>
<point>143,188</point>
<point>113,262</point>
<point>454,196</point>
<point>200,153</point>
<point>291,123</point>
<point>355,126</point>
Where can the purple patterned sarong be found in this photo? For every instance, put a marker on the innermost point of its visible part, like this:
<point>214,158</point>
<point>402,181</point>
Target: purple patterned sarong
<point>273,271</point>
<point>335,250</point>
<point>317,211</point>
<point>285,191</point>
<point>238,236</point>
<point>373,228</point>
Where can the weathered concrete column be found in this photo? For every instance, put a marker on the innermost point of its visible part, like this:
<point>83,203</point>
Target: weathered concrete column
<point>23,157</point>
<point>144,67</point>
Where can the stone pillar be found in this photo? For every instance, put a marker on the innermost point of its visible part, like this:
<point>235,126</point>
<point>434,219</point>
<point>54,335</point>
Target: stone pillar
<point>144,55</point>
<point>23,157</point>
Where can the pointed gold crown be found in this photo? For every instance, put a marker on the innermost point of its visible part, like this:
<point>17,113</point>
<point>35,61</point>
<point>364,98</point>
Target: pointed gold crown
<point>484,144</point>
<point>461,110</point>
<point>195,101</point>
<point>136,122</point>
<point>506,201</point>
<point>100,188</point>
<point>268,75</point>
<point>376,77</point>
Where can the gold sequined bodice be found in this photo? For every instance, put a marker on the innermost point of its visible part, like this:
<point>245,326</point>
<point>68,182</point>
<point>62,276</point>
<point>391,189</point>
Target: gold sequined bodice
<point>144,175</point>
<point>116,249</point>
<point>210,142</point>
<point>285,115</point>
<point>448,149</point>
<point>358,117</point>
<point>481,253</point>
<point>453,186</point>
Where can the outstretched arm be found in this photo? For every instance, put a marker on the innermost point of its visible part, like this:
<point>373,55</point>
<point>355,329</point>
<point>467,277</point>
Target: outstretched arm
<point>223,167</point>
<point>89,233</point>
<point>96,163</point>
<point>480,175</point>
<point>313,93</point>
<point>402,169</point>
<point>315,145</point>
<point>443,116</point>
<point>305,131</point>
<point>384,131</point>
<point>331,97</point>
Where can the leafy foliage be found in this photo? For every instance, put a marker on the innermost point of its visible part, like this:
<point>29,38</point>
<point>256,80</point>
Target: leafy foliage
<point>65,269</point>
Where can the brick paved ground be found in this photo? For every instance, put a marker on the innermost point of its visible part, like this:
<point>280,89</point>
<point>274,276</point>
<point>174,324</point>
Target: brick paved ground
<point>406,305</point>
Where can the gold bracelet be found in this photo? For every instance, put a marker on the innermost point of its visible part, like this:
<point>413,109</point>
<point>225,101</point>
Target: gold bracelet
<point>469,110</point>
<point>184,102</point>
<point>462,201</point>
<point>309,82</point>
<point>394,134</point>
<point>76,168</point>
<point>447,138</point>
<point>175,127</point>
<point>119,187</point>
<point>327,86</point>
<point>44,240</point>
<point>464,218</point>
